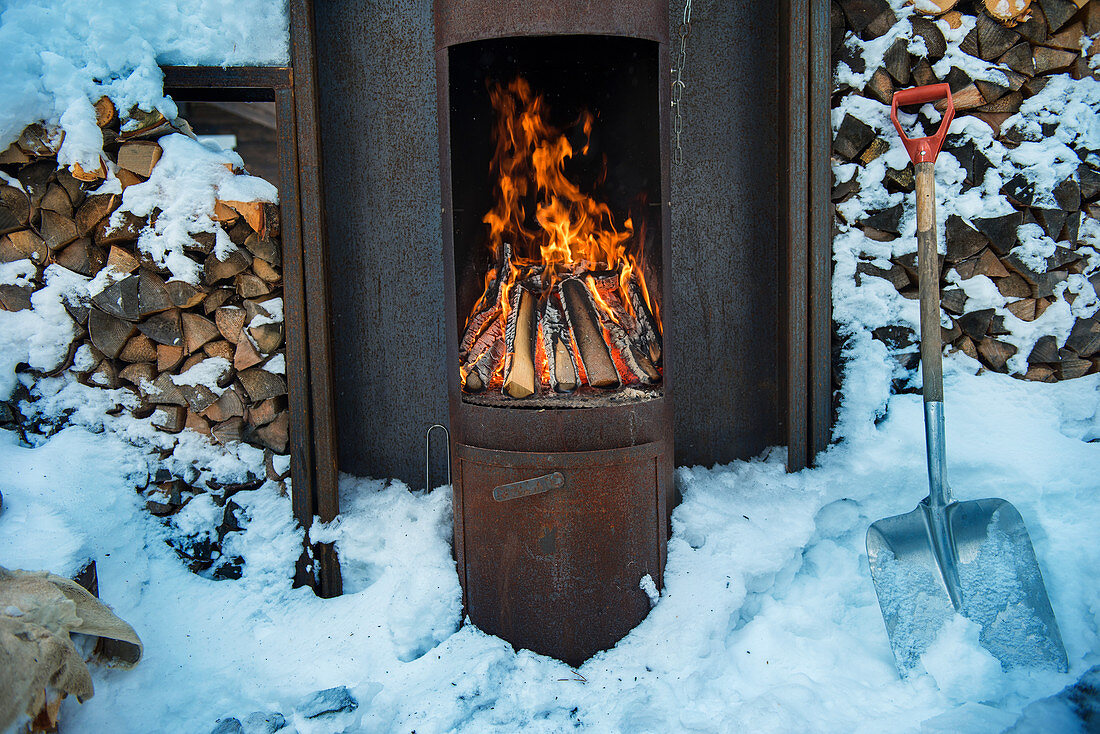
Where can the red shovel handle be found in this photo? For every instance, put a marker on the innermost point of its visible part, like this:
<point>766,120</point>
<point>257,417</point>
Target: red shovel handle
<point>924,150</point>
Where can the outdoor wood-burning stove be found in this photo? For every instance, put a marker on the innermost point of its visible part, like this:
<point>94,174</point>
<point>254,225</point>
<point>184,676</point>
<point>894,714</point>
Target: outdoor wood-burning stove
<point>553,121</point>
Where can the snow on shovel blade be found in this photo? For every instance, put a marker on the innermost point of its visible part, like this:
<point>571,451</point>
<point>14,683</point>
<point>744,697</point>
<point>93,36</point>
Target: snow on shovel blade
<point>1001,587</point>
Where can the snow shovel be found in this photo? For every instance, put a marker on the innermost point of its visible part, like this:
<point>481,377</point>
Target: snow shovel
<point>948,558</point>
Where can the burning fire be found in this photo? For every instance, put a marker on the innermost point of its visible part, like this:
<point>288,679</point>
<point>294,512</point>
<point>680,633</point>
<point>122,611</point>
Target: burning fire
<point>544,232</point>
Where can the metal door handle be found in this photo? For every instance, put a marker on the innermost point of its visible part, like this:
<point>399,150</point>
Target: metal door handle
<point>527,487</point>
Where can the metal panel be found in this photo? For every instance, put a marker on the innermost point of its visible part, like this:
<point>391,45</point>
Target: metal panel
<point>821,231</point>
<point>726,301</point>
<point>474,20</point>
<point>314,256</point>
<point>381,179</point>
<point>558,572</point>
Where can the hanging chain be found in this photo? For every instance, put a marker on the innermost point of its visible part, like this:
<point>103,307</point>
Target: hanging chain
<point>678,83</point>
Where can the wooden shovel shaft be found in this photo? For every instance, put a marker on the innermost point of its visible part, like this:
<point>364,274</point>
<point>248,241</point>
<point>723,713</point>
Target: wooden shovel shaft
<point>928,269</point>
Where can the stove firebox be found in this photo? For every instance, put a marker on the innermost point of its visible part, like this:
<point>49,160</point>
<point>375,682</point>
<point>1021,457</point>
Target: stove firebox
<point>553,121</point>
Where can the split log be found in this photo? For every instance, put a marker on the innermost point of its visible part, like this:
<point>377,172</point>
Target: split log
<point>129,229</point>
<point>995,354</point>
<point>1023,309</point>
<point>152,293</point>
<point>139,348</point>
<point>94,209</point>
<point>15,209</point>
<point>230,320</point>
<point>89,175</point>
<point>220,348</point>
<point>128,179</point>
<point>584,323</point>
<point>104,375</point>
<point>1072,367</point>
<point>1084,339</point>
<point>250,286</point>
<point>266,249</point>
<point>230,431</point>
<point>169,418</point>
<point>275,435</point>
<point>1019,59</point>
<point>252,211</point>
<point>184,295</point>
<point>1007,11</point>
<point>120,299</point>
<point>122,260</point>
<point>565,371</point>
<point>138,373</point>
<point>880,87</point>
<point>198,397</point>
<point>215,299</point>
<point>15,297</point>
<point>261,384</point>
<point>265,272</point>
<point>215,270</point>
<point>57,231</point>
<point>269,337</point>
<point>853,136</point>
<point>976,323</point>
<point>198,424</point>
<point>934,41</point>
<point>107,333</point>
<point>1000,231</point>
<point>1014,287</point>
<point>963,241</point>
<point>229,405</point>
<point>25,244</point>
<point>164,328</point>
<point>13,155</point>
<point>265,411</point>
<point>985,264</point>
<point>105,112</point>
<point>1045,351</point>
<point>1057,13</point>
<point>520,380</point>
<point>139,157</point>
<point>953,300</point>
<point>1040,373</point>
<point>168,356</point>
<point>923,73</point>
<point>897,61</point>
<point>197,330</point>
<point>192,360</point>
<point>163,391</point>
<point>246,355</point>
<point>1051,59</point>
<point>57,200</point>
<point>993,37</point>
<point>966,98</point>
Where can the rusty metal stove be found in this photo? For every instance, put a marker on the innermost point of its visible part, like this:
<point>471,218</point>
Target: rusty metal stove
<point>559,512</point>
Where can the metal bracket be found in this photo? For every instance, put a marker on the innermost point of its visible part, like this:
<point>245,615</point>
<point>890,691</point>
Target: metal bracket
<point>528,487</point>
<point>427,455</point>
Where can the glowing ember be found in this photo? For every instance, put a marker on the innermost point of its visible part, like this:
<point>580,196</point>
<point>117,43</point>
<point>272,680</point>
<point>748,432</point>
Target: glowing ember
<point>565,302</point>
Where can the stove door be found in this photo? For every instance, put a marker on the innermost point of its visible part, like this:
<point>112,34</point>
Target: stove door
<point>555,545</point>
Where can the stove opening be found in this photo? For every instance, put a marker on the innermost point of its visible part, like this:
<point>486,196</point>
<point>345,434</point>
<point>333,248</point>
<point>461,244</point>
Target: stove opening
<point>555,160</point>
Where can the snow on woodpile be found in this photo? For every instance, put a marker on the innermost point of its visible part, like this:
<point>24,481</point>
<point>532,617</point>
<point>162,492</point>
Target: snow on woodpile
<point>1018,181</point>
<point>60,57</point>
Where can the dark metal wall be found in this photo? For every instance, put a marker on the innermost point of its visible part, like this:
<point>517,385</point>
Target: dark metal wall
<point>382,198</point>
<point>726,298</point>
<point>376,70</point>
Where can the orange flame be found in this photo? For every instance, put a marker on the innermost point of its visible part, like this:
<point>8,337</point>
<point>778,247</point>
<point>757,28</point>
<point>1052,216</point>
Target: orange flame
<point>565,232</point>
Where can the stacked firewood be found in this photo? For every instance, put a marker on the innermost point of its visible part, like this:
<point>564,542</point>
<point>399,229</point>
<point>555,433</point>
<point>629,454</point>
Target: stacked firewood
<point>204,356</point>
<point>1029,42</point>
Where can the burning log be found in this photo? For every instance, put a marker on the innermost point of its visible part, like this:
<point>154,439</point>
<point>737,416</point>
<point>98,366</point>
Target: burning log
<point>520,381</point>
<point>585,324</point>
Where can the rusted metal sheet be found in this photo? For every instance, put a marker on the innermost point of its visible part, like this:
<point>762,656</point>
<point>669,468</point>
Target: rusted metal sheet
<point>821,231</point>
<point>317,285</point>
<point>727,255</point>
<point>475,20</point>
<point>559,572</point>
<point>381,185</point>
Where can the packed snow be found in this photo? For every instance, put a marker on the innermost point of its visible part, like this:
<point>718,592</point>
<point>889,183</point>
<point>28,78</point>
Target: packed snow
<point>768,620</point>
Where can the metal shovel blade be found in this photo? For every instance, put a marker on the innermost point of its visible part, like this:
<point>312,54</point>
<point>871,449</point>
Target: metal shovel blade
<point>1000,586</point>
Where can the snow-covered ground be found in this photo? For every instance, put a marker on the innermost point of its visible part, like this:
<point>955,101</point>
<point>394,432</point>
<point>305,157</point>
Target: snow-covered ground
<point>768,621</point>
